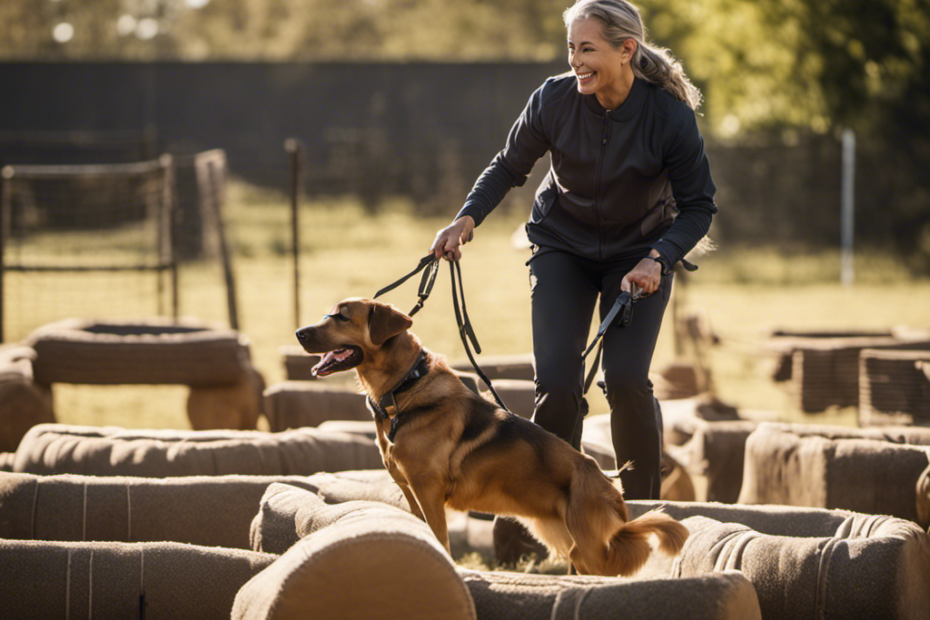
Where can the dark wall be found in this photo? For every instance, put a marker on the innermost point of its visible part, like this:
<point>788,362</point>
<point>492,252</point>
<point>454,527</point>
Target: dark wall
<point>426,130</point>
<point>373,129</point>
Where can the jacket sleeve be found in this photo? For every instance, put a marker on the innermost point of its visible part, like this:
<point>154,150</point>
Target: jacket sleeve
<point>526,143</point>
<point>692,187</point>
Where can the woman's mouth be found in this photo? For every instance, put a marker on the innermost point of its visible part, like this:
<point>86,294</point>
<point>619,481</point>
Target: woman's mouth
<point>584,78</point>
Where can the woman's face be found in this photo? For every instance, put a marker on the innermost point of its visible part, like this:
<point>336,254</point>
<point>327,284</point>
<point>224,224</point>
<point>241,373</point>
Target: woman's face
<point>597,65</point>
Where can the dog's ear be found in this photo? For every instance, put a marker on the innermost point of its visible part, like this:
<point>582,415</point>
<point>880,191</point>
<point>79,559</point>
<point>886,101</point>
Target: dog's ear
<point>385,322</point>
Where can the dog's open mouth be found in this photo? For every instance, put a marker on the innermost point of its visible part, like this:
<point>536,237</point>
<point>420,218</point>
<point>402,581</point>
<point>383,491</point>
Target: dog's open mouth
<point>339,360</point>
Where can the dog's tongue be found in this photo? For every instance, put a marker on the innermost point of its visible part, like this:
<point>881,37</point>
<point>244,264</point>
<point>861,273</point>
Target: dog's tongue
<point>333,357</point>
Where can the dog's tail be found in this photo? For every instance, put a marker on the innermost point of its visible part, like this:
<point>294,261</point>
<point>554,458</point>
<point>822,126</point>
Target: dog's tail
<point>628,549</point>
<point>597,512</point>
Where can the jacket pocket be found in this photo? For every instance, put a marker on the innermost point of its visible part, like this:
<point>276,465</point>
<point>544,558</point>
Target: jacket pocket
<point>543,204</point>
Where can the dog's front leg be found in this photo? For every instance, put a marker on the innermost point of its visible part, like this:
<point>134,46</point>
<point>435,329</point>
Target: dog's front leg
<point>391,465</point>
<point>414,505</point>
<point>431,495</point>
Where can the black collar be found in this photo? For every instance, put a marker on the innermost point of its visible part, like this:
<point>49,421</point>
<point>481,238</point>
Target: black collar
<point>420,369</point>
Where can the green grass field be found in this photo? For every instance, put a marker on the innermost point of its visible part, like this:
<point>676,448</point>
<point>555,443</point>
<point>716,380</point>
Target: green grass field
<point>744,293</point>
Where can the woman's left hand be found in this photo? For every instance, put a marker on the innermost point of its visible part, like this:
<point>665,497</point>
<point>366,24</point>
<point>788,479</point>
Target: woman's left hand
<point>647,274</point>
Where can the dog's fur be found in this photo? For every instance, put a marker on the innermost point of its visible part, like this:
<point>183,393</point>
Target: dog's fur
<point>458,449</point>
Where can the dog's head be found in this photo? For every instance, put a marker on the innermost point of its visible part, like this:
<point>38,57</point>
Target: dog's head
<point>352,334</point>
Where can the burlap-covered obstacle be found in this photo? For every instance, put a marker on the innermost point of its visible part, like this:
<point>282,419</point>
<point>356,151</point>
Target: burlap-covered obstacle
<point>796,466</point>
<point>226,390</point>
<point>150,352</point>
<point>468,532</point>
<point>110,451</point>
<point>160,581</point>
<point>518,366</point>
<point>298,364</point>
<point>23,402</point>
<point>365,560</point>
<point>368,561</point>
<point>207,510</point>
<point>893,387</point>
<point>873,569</point>
<point>295,404</point>
<point>775,520</point>
<point>516,596</point>
<point>367,485</point>
<point>287,513</point>
<point>825,367</point>
<point>715,452</point>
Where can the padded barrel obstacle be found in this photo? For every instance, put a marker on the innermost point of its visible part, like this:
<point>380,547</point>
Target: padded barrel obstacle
<point>502,595</point>
<point>775,520</point>
<point>893,387</point>
<point>825,368</point>
<point>23,402</point>
<point>298,364</point>
<point>366,485</point>
<point>287,513</point>
<point>207,510</point>
<point>874,568</point>
<point>151,352</point>
<point>296,404</point>
<point>796,466</point>
<point>715,453</point>
<point>518,366</point>
<point>155,581</point>
<point>111,451</point>
<point>371,562</point>
<point>225,389</point>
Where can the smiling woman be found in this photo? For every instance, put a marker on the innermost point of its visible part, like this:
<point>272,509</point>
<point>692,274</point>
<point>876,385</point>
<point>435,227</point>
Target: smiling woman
<point>628,194</point>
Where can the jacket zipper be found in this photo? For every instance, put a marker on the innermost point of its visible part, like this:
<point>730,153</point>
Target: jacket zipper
<point>597,182</point>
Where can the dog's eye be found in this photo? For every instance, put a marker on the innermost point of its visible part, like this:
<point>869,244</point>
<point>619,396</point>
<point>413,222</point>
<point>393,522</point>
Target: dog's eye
<point>338,317</point>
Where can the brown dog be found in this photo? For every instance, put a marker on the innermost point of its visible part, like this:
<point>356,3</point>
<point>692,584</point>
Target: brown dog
<point>447,446</point>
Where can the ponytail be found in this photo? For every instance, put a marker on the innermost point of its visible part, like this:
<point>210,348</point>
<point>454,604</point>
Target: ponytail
<point>658,66</point>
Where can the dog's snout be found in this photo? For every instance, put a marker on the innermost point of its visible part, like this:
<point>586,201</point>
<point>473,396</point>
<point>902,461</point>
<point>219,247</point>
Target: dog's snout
<point>302,334</point>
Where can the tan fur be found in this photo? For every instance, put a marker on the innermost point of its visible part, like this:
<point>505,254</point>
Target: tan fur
<point>459,450</point>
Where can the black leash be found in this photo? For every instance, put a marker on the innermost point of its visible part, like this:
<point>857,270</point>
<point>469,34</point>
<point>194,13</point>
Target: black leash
<point>465,330</point>
<point>622,312</point>
<point>430,264</point>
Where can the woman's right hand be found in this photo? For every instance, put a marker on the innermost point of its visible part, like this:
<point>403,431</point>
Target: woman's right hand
<point>449,239</point>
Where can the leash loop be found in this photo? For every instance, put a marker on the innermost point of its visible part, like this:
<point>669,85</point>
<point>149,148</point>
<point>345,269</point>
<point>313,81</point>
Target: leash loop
<point>426,281</point>
<point>465,330</point>
<point>431,264</point>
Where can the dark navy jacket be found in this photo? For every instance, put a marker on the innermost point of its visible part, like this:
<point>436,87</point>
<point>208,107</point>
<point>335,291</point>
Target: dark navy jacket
<point>620,182</point>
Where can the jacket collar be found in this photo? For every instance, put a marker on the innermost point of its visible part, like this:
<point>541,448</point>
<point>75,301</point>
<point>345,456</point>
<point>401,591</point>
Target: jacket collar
<point>628,109</point>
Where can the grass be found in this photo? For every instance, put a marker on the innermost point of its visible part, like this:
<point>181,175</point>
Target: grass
<point>744,293</point>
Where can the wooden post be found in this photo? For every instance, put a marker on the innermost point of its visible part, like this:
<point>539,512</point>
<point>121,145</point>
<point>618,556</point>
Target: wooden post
<point>295,156</point>
<point>170,214</point>
<point>213,201</point>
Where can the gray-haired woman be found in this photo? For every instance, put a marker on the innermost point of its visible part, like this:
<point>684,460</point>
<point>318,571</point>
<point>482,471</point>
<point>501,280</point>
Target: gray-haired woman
<point>628,194</point>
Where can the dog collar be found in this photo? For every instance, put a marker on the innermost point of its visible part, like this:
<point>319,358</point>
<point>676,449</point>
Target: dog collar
<point>420,369</point>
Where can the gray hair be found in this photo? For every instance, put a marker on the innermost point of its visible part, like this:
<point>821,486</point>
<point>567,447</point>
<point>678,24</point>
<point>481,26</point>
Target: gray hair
<point>621,21</point>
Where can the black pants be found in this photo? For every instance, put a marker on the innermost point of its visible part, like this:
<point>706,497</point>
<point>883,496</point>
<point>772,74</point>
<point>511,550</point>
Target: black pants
<point>565,288</point>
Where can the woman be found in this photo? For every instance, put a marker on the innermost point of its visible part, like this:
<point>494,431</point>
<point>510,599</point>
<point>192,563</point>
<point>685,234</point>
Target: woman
<point>628,194</point>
